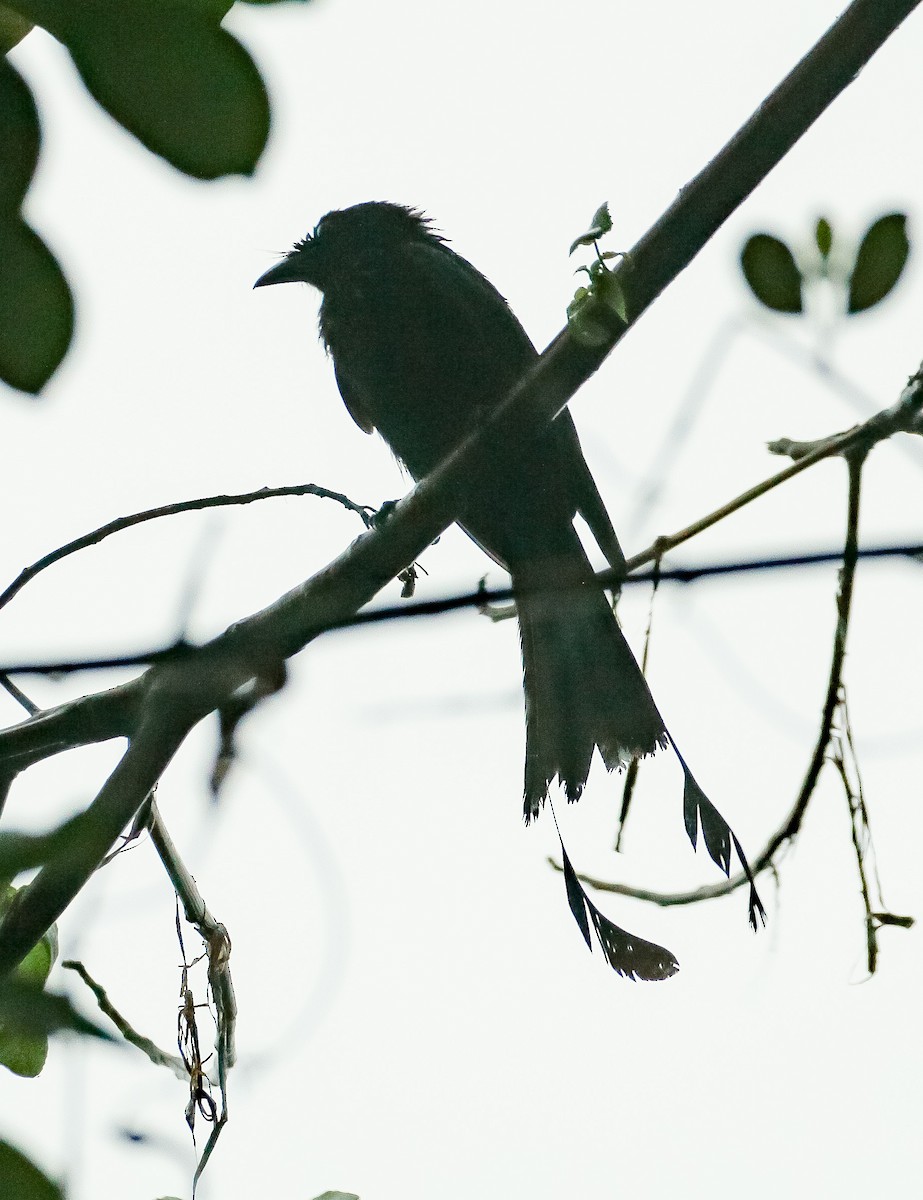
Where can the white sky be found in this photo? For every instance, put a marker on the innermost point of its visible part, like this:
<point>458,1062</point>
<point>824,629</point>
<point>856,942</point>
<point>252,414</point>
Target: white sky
<point>418,1014</point>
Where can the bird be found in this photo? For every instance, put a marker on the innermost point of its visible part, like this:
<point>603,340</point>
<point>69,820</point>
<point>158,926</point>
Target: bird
<point>423,346</point>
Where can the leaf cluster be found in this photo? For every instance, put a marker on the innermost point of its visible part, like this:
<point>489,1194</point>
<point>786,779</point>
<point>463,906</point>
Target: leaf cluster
<point>600,303</point>
<point>169,73</point>
<point>863,276</point>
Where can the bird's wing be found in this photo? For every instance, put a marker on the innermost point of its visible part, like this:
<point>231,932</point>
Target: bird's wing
<point>353,401</point>
<point>495,346</point>
<point>470,316</point>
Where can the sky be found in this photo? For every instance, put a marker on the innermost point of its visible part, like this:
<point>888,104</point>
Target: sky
<point>418,1013</point>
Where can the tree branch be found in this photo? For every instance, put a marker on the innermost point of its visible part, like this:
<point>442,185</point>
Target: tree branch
<point>36,906</point>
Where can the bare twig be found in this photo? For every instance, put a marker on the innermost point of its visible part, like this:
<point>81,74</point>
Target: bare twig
<point>18,695</point>
<point>158,1057</point>
<point>171,510</point>
<point>170,713</point>
<point>858,827</point>
<point>213,933</point>
<point>905,416</point>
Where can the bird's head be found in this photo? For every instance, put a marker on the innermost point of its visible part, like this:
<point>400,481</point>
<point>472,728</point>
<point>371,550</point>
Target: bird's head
<point>348,240</point>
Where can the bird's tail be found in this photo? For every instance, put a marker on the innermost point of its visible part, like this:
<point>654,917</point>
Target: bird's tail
<point>583,688</point>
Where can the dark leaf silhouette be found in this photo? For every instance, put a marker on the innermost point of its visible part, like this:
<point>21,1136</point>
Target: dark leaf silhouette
<point>20,137</point>
<point>626,954</point>
<point>38,312</point>
<point>879,262</point>
<point>770,269</point>
<point>37,307</point>
<point>22,1179</point>
<point>170,74</point>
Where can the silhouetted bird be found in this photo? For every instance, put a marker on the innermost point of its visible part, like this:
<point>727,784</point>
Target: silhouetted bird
<point>423,346</point>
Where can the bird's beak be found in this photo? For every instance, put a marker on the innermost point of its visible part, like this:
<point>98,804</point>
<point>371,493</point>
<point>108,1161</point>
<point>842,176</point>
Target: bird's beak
<point>288,270</point>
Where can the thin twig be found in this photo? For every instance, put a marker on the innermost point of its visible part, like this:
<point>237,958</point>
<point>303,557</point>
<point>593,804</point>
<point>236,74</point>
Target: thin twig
<point>905,416</point>
<point>158,1057</point>
<point>856,822</point>
<point>19,695</point>
<point>171,510</point>
<point>860,791</point>
<point>213,933</point>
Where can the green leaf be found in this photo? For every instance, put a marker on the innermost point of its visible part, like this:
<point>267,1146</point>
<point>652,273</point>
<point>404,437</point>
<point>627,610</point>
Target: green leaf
<point>337,1196</point>
<point>608,288</point>
<point>13,28</point>
<point>20,136</point>
<point>589,314</point>
<point>879,263</point>
<point>37,964</point>
<point>23,1054</point>
<point>600,225</point>
<point>23,1049</point>
<point>823,237</point>
<point>769,268</point>
<point>37,307</point>
<point>170,74</point>
<point>23,1035</point>
<point>35,967</point>
<point>584,322</point>
<point>22,1179</point>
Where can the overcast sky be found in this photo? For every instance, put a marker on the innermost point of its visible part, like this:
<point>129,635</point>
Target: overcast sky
<point>419,1016</point>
